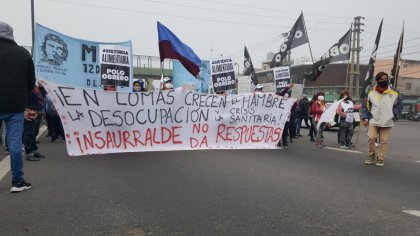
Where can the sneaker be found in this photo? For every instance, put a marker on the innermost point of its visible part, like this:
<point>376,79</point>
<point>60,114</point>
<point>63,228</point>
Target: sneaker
<point>19,187</point>
<point>299,135</point>
<point>31,157</point>
<point>312,140</point>
<point>343,146</point>
<point>377,144</point>
<point>38,155</point>
<point>380,163</point>
<point>370,161</point>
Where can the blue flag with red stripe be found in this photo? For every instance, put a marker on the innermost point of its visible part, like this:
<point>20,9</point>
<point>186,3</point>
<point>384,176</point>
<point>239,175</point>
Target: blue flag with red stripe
<point>171,47</point>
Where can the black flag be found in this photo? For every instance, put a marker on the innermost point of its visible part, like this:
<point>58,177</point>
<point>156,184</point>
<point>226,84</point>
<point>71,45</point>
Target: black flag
<point>296,37</point>
<point>371,67</point>
<point>249,68</point>
<point>397,58</point>
<point>338,52</point>
<point>341,50</point>
<point>317,68</point>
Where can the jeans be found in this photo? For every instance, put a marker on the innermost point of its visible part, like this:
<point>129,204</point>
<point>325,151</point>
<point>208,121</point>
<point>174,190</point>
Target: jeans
<point>14,126</point>
<point>346,132</point>
<point>318,137</point>
<point>312,129</point>
<point>31,130</point>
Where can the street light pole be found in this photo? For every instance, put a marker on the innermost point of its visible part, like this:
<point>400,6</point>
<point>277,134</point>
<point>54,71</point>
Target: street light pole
<point>33,26</point>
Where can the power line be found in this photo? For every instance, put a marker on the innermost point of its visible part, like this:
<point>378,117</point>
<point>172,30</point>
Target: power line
<point>218,10</point>
<point>273,9</point>
<point>242,13</point>
<point>166,15</point>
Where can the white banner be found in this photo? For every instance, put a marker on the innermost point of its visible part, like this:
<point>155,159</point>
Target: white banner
<point>329,113</point>
<point>97,122</point>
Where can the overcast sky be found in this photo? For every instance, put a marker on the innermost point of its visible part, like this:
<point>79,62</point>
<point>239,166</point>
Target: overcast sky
<point>221,27</point>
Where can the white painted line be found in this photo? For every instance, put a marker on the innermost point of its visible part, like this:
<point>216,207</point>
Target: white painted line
<point>4,166</point>
<point>5,163</point>
<point>412,212</point>
<point>343,150</point>
<point>418,161</point>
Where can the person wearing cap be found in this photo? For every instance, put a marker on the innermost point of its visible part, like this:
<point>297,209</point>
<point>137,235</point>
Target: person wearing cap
<point>259,88</point>
<point>167,83</point>
<point>378,115</point>
<point>17,80</point>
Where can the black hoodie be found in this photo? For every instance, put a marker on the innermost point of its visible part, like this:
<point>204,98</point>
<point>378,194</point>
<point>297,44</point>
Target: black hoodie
<point>17,74</point>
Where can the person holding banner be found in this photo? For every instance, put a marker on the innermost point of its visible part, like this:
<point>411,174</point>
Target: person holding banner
<point>345,112</point>
<point>378,116</point>
<point>289,129</point>
<point>318,107</point>
<point>17,79</point>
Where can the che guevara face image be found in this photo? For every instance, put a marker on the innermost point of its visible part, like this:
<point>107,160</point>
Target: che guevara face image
<point>54,49</point>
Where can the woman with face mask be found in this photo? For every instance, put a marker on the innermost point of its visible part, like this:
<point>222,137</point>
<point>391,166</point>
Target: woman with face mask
<point>345,112</point>
<point>318,107</point>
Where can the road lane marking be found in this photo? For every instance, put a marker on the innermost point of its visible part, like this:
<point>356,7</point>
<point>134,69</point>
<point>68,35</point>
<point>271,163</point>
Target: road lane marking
<point>343,150</point>
<point>4,167</point>
<point>418,161</point>
<point>412,212</point>
<point>5,163</point>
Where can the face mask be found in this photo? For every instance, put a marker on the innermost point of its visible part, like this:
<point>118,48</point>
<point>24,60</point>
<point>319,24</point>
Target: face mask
<point>321,98</point>
<point>383,84</point>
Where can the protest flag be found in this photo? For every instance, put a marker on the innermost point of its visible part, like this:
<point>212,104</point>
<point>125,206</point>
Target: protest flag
<point>397,58</point>
<point>371,66</point>
<point>249,67</point>
<point>338,52</point>
<point>171,47</point>
<point>296,37</point>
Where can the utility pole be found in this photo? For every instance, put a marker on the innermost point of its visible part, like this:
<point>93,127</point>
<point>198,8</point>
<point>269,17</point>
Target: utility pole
<point>354,82</point>
<point>33,26</point>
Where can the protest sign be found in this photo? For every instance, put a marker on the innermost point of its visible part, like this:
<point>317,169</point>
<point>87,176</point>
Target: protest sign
<point>97,122</point>
<point>281,77</point>
<point>77,62</point>
<point>223,75</point>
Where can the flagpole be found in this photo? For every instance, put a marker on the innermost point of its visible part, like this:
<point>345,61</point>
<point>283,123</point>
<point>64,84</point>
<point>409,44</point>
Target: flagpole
<point>161,75</point>
<point>310,49</point>
<point>33,26</point>
<point>348,62</point>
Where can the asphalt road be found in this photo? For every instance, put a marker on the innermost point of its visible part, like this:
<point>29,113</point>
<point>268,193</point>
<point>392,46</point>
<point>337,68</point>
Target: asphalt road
<point>302,190</point>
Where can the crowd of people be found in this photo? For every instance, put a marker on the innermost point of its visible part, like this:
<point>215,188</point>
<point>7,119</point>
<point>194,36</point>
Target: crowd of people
<point>24,104</point>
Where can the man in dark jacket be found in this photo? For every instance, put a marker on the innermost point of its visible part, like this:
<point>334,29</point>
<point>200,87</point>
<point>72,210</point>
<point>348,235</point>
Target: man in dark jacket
<point>303,114</point>
<point>17,79</point>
